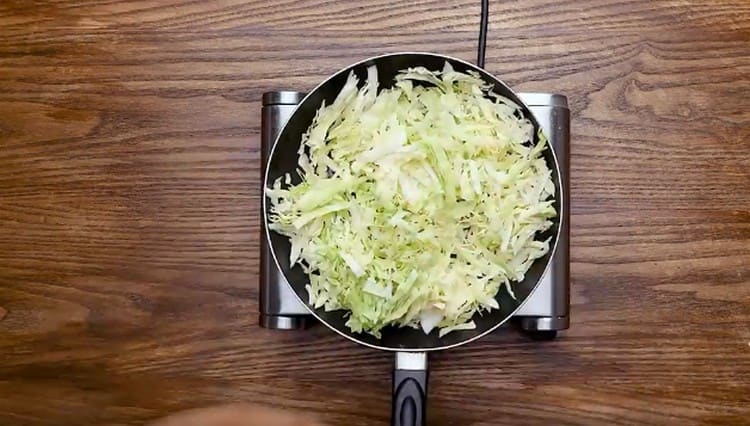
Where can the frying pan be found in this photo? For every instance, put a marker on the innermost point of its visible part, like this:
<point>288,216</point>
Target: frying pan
<point>410,345</point>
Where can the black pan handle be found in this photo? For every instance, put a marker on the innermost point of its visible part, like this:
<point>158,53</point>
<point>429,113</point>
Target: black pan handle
<point>410,389</point>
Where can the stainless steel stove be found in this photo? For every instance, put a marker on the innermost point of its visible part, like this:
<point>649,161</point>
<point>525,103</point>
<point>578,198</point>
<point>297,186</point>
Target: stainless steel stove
<point>547,310</point>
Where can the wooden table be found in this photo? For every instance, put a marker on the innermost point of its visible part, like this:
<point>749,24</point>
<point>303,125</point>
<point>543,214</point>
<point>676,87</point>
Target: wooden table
<point>129,191</point>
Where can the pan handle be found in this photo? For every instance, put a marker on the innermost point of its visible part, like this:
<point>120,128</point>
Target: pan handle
<point>410,374</point>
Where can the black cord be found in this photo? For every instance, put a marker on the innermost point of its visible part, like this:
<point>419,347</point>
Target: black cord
<point>482,45</point>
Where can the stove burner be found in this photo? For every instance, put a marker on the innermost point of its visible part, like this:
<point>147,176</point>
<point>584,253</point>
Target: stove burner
<point>544,313</point>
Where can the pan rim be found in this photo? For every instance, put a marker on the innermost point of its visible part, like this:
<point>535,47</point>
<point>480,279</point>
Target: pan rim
<point>552,252</point>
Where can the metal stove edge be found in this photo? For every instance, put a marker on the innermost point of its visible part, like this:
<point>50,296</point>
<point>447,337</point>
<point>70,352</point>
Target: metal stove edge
<point>545,312</point>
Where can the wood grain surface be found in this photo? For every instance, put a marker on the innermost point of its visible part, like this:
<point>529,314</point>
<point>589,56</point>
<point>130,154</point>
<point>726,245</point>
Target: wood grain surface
<point>129,199</point>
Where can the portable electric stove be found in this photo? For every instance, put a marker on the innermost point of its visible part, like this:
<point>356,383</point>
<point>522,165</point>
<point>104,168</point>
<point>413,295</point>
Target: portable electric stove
<point>547,309</point>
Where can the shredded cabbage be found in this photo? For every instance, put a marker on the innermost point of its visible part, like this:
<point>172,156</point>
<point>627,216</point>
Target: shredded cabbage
<point>416,204</point>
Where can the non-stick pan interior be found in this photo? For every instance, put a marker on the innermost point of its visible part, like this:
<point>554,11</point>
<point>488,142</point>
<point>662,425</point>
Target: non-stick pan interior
<point>284,158</point>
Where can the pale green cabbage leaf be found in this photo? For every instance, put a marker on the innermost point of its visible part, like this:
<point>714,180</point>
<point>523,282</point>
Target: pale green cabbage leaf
<point>417,203</point>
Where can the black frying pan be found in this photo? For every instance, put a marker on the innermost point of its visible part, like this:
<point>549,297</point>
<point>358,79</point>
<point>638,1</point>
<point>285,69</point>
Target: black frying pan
<point>410,345</point>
